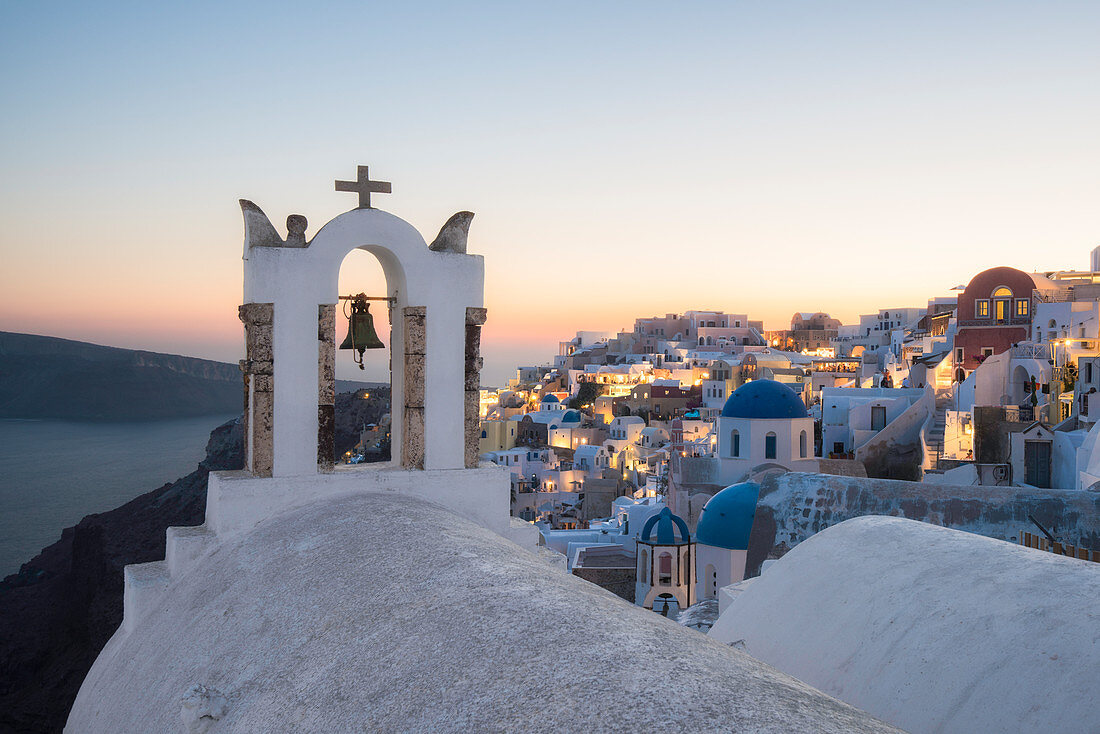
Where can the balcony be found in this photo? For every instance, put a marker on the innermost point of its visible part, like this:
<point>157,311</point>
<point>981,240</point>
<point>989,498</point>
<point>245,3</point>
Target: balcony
<point>1031,350</point>
<point>1016,321</point>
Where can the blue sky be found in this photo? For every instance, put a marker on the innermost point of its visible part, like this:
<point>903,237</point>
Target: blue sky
<point>622,159</point>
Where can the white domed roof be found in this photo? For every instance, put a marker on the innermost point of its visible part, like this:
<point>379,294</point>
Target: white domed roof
<point>384,612</point>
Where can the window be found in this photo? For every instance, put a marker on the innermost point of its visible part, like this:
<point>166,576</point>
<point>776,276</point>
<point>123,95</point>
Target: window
<point>1088,371</point>
<point>987,351</point>
<point>1022,306</point>
<point>737,324</point>
<point>838,447</point>
<point>981,308</point>
<point>769,445</point>
<point>644,565</point>
<point>802,445</point>
<point>1002,292</point>
<point>878,417</point>
<point>484,434</point>
<point>958,354</point>
<point>664,569</point>
<point>735,444</point>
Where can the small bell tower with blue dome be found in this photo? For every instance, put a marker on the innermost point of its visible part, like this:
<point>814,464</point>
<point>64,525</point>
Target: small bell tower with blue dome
<point>666,564</point>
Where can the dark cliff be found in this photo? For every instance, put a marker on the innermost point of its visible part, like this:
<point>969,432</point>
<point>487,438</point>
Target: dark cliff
<point>47,377</point>
<point>58,612</point>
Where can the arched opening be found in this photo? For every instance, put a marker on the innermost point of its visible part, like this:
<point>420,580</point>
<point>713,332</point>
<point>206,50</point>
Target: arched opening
<point>769,445</point>
<point>665,604</point>
<point>643,566</point>
<point>1021,380</point>
<point>664,569</point>
<point>802,445</point>
<point>1002,303</point>
<point>735,443</point>
<point>362,416</point>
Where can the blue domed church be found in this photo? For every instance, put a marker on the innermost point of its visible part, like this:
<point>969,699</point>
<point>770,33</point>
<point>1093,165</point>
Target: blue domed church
<point>722,538</point>
<point>764,424</point>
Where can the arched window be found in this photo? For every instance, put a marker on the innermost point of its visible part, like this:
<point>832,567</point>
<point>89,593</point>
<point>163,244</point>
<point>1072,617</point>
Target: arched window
<point>702,341</point>
<point>769,445</point>
<point>709,341</point>
<point>686,579</point>
<point>802,445</point>
<point>735,444</point>
<point>1053,324</point>
<point>1002,303</point>
<point>484,434</point>
<point>664,569</point>
<point>643,571</point>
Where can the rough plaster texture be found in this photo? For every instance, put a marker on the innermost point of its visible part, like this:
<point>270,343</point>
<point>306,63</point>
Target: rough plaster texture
<point>382,612</point>
<point>932,629</point>
<point>298,279</point>
<point>792,507</point>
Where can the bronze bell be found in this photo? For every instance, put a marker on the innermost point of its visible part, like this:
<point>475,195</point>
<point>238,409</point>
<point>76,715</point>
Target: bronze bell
<point>361,334</point>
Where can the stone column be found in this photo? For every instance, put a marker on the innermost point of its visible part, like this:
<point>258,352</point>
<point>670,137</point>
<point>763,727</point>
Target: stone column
<point>259,384</point>
<point>326,386</point>
<point>412,434</point>
<point>475,317</point>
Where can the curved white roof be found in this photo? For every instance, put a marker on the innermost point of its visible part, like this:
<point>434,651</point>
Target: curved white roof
<point>382,612</point>
<point>929,628</point>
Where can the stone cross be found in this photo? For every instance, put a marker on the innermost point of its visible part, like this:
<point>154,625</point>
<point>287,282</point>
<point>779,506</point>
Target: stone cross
<point>364,187</point>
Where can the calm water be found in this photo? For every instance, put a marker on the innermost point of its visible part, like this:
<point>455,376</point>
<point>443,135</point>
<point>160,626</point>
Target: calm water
<point>52,473</point>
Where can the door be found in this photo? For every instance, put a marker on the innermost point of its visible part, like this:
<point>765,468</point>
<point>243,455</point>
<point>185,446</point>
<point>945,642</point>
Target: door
<point>1037,463</point>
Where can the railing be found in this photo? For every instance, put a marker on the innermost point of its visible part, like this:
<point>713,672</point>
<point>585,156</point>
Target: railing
<point>1015,321</point>
<point>1038,542</point>
<point>1031,350</point>
<point>1053,296</point>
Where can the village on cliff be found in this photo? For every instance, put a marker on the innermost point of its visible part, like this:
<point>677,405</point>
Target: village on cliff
<point>857,528</point>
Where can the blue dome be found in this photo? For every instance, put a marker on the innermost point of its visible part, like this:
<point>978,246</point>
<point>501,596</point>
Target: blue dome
<point>726,520</point>
<point>550,399</point>
<point>764,399</point>
<point>664,521</point>
<point>571,416</point>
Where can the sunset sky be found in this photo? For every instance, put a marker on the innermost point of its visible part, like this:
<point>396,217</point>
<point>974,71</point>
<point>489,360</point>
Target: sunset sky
<point>622,159</point>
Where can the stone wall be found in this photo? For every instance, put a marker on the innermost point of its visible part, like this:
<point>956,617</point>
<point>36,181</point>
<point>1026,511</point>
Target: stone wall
<point>793,507</point>
<point>326,387</point>
<point>412,434</point>
<point>259,387</point>
<point>475,317</point>
<point>619,581</point>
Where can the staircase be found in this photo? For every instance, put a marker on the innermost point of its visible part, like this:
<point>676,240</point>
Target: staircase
<point>933,437</point>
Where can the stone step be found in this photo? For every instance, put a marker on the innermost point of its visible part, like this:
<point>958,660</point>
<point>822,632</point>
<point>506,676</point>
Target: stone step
<point>184,545</point>
<point>145,584</point>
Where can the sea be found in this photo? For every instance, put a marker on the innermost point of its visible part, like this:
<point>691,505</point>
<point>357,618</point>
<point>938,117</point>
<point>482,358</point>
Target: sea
<point>53,473</point>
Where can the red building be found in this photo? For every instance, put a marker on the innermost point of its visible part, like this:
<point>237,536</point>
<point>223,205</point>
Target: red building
<point>994,312</point>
